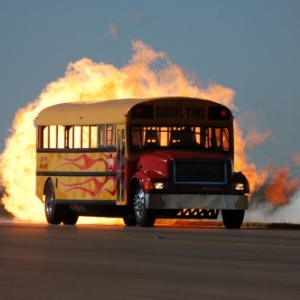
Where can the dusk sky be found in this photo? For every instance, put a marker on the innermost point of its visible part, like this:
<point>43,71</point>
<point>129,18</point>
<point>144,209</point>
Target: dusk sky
<point>252,47</point>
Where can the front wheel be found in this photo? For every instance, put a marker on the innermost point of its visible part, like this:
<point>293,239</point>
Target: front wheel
<point>129,216</point>
<point>53,212</point>
<point>144,217</point>
<point>129,221</point>
<point>233,219</point>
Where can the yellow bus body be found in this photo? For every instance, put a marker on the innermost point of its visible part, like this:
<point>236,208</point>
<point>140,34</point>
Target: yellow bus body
<point>78,187</point>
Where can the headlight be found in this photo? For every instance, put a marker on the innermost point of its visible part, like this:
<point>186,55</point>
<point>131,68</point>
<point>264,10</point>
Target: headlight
<point>239,186</point>
<point>158,185</point>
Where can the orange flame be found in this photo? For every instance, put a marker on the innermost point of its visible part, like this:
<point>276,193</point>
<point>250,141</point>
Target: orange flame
<point>253,136</point>
<point>256,138</point>
<point>256,178</point>
<point>148,74</point>
<point>282,187</point>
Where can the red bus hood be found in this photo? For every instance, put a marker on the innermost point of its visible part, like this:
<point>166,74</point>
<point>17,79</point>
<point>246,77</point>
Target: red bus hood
<point>157,163</point>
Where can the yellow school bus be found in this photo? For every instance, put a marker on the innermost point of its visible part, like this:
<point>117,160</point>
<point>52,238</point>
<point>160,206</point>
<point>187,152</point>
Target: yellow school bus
<point>140,160</point>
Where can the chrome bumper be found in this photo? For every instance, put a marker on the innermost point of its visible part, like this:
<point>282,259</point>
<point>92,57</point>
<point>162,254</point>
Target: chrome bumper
<point>181,201</point>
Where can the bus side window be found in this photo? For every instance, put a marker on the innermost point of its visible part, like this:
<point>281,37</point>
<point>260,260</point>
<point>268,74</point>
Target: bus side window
<point>85,136</point>
<point>60,136</point>
<point>52,137</point>
<point>68,137</point>
<point>40,137</point>
<point>110,136</point>
<point>101,136</point>
<point>76,143</point>
<point>93,136</point>
<point>106,136</point>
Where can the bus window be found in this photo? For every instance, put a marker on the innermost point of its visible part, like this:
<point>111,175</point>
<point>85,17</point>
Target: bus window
<point>218,138</point>
<point>110,135</point>
<point>101,136</point>
<point>93,136</point>
<point>135,138</point>
<point>174,137</point>
<point>225,139</point>
<point>77,137</point>
<point>45,137</point>
<point>85,131</point>
<point>151,139</point>
<point>106,135</point>
<point>164,133</point>
<point>52,137</point>
<point>40,136</point>
<point>60,133</point>
<point>204,137</point>
<point>69,138</point>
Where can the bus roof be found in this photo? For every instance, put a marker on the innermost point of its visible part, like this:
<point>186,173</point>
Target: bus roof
<point>92,113</point>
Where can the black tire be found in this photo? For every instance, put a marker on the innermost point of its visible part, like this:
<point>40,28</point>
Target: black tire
<point>53,212</point>
<point>129,220</point>
<point>129,217</point>
<point>144,217</point>
<point>69,216</point>
<point>233,219</point>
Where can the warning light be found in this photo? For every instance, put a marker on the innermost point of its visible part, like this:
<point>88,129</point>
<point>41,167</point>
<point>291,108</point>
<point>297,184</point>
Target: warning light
<point>138,110</point>
<point>142,112</point>
<point>223,113</point>
<point>218,113</point>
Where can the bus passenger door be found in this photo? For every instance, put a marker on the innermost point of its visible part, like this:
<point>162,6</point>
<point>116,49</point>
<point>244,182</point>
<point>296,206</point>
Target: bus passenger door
<point>121,164</point>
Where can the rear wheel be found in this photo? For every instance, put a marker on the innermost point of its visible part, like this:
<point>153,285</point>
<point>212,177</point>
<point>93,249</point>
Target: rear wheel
<point>233,219</point>
<point>53,212</point>
<point>69,216</point>
<point>144,217</point>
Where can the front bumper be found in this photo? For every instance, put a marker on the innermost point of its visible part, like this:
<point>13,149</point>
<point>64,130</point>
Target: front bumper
<point>202,201</point>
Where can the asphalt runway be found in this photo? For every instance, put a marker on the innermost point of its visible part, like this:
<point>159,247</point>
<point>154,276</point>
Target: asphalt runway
<point>116,262</point>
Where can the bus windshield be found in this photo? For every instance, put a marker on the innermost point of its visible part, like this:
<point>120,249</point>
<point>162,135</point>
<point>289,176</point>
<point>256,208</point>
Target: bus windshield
<point>214,138</point>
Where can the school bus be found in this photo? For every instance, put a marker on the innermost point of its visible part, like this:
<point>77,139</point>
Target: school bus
<point>140,160</point>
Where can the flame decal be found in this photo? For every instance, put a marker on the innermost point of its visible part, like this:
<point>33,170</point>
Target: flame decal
<point>87,162</point>
<point>98,186</point>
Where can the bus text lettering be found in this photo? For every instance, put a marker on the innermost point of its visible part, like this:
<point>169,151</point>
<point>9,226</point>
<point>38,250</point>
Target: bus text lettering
<point>44,162</point>
<point>178,112</point>
<point>169,112</point>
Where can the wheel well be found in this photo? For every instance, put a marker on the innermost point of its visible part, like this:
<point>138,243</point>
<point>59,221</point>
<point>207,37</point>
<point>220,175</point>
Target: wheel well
<point>133,184</point>
<point>48,179</point>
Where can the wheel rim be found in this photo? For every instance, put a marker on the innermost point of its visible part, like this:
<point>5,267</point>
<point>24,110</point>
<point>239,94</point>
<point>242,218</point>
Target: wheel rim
<point>139,203</point>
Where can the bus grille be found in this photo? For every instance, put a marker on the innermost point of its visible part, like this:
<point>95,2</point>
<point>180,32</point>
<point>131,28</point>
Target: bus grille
<point>195,172</point>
